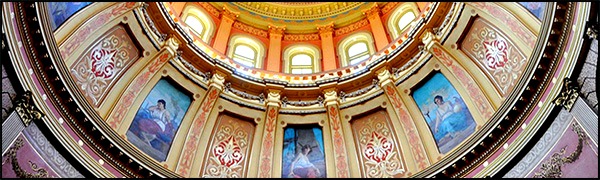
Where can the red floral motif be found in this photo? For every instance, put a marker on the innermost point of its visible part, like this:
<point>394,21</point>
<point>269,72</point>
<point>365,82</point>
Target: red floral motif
<point>416,148</point>
<point>265,169</point>
<point>191,144</point>
<point>509,20</point>
<point>103,63</point>
<point>442,56</point>
<point>483,105</point>
<point>84,33</point>
<point>338,141</point>
<point>378,148</point>
<point>271,120</point>
<point>333,113</point>
<point>228,152</point>
<point>157,64</point>
<point>496,54</point>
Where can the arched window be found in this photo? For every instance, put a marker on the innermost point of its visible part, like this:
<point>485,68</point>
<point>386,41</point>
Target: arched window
<point>244,55</point>
<point>301,59</point>
<point>194,23</point>
<point>199,22</point>
<point>356,48</point>
<point>407,18</point>
<point>401,18</point>
<point>301,64</point>
<point>246,50</point>
<point>358,52</point>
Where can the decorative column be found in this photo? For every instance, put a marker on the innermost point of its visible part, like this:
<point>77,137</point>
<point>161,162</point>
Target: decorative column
<point>222,38</point>
<point>374,17</point>
<point>274,58</point>
<point>190,148</point>
<point>415,142</point>
<point>335,125</point>
<point>25,112</point>
<point>327,47</point>
<point>266,154</point>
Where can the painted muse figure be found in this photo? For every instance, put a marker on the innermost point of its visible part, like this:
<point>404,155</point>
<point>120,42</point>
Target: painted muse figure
<point>159,122</point>
<point>449,118</point>
<point>301,167</point>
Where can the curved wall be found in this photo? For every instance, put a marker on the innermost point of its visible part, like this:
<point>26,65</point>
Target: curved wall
<point>236,127</point>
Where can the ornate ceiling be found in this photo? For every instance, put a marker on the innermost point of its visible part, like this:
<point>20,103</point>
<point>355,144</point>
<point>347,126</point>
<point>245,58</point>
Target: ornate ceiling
<point>298,17</point>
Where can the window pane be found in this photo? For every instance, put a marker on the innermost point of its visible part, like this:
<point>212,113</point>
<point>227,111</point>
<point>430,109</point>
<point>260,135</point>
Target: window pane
<point>195,24</point>
<point>359,59</point>
<point>405,20</point>
<point>301,59</point>
<point>243,62</point>
<point>244,51</point>
<point>357,49</point>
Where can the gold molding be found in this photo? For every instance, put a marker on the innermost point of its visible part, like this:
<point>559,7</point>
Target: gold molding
<point>226,12</point>
<point>568,96</point>
<point>374,10</point>
<point>26,109</point>
<point>273,29</point>
<point>327,28</point>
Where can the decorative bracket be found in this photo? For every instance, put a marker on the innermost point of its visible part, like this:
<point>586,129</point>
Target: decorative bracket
<point>568,96</point>
<point>26,109</point>
<point>592,31</point>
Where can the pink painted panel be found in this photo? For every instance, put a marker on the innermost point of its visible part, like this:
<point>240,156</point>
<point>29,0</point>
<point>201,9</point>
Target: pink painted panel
<point>573,156</point>
<point>27,158</point>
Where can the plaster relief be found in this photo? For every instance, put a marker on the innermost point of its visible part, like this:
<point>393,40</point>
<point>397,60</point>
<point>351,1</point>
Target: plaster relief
<point>378,148</point>
<point>496,55</point>
<point>97,69</point>
<point>230,148</point>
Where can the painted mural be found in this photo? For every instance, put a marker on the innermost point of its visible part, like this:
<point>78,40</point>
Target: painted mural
<point>303,153</point>
<point>536,8</point>
<point>447,115</point>
<point>59,12</point>
<point>378,149</point>
<point>157,120</point>
<point>230,148</point>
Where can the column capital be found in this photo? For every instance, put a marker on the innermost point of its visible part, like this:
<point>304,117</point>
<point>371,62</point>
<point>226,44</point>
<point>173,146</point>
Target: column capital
<point>171,44</point>
<point>276,29</point>
<point>428,39</point>
<point>384,76</point>
<point>217,80</point>
<point>331,97</point>
<point>374,10</point>
<point>228,13</point>
<point>274,97</point>
<point>327,28</point>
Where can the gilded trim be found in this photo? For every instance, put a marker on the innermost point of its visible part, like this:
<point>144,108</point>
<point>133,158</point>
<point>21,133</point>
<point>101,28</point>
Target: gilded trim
<point>27,110</point>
